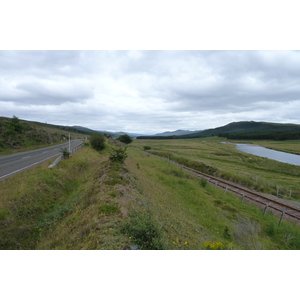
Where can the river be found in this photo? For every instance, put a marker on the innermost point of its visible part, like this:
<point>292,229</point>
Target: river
<point>284,157</point>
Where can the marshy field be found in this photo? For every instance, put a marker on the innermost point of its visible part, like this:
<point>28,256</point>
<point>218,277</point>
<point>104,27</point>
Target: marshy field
<point>89,202</point>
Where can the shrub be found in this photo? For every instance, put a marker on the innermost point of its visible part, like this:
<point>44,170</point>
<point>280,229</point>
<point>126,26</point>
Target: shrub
<point>97,141</point>
<point>65,152</point>
<point>16,125</point>
<point>203,182</point>
<point>143,231</point>
<point>147,148</point>
<point>118,155</point>
<point>125,138</point>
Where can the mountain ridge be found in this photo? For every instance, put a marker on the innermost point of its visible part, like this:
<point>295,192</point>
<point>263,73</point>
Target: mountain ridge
<point>243,130</point>
<point>177,132</point>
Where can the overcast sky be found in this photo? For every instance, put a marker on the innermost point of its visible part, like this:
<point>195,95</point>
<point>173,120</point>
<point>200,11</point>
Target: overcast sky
<point>150,91</point>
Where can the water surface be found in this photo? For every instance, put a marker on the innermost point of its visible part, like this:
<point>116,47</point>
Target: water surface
<point>289,158</point>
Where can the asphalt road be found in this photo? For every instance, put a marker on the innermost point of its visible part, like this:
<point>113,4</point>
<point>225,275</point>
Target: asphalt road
<point>14,163</point>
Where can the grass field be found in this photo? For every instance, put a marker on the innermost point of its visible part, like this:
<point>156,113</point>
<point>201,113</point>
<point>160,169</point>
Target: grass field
<point>258,173</point>
<point>192,216</point>
<point>89,202</point>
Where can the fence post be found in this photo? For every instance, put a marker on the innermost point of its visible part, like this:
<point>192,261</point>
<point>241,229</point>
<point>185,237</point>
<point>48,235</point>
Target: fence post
<point>283,212</point>
<point>243,196</point>
<point>266,208</point>
<point>226,189</point>
<point>216,183</point>
<point>277,187</point>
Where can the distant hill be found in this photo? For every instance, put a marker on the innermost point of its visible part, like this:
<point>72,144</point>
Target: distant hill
<point>122,133</point>
<point>244,130</point>
<point>177,132</point>
<point>117,134</point>
<point>82,129</point>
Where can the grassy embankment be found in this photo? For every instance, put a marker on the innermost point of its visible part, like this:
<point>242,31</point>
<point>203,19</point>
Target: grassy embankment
<point>73,206</point>
<point>17,135</point>
<point>88,202</point>
<point>258,173</point>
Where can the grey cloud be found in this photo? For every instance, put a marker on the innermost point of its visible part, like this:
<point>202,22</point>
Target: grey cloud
<point>36,62</point>
<point>186,87</point>
<point>36,91</point>
<point>55,91</point>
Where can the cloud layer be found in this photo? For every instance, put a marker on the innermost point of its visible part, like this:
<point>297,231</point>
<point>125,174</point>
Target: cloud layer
<point>150,91</point>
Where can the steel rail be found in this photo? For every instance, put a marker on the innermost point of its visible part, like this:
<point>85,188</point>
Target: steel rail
<point>289,210</point>
<point>246,194</point>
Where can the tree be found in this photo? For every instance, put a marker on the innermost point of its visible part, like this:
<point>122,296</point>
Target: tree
<point>97,141</point>
<point>125,138</point>
<point>15,125</point>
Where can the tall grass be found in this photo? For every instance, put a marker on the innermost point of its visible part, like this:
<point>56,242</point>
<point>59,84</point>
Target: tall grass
<point>212,157</point>
<point>191,214</point>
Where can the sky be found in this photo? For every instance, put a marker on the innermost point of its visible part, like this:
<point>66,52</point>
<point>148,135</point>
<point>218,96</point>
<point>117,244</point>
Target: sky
<point>150,91</point>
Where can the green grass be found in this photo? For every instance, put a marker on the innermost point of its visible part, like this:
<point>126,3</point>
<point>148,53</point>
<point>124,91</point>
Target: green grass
<point>258,173</point>
<point>31,136</point>
<point>143,231</point>
<point>89,202</point>
<point>191,215</point>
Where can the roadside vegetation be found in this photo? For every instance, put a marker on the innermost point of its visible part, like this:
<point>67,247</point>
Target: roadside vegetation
<point>97,141</point>
<point>125,138</point>
<point>124,198</point>
<point>17,135</point>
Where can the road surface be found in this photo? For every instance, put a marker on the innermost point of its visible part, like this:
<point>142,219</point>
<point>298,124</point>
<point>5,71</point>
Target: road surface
<point>14,163</point>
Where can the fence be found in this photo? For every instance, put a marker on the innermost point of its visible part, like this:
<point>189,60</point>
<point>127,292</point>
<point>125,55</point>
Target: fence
<point>58,159</point>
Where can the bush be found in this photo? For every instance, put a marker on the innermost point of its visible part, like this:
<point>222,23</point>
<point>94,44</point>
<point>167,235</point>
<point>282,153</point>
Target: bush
<point>65,152</point>
<point>16,125</point>
<point>147,148</point>
<point>203,182</point>
<point>97,141</point>
<point>118,155</point>
<point>143,231</point>
<point>125,138</point>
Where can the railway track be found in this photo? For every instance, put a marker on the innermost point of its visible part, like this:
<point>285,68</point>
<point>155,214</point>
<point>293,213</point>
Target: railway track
<point>264,202</point>
<point>286,211</point>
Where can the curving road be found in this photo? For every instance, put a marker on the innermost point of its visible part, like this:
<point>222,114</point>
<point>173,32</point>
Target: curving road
<point>14,163</point>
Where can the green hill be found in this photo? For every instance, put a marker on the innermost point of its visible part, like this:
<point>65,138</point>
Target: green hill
<point>244,130</point>
<point>16,134</point>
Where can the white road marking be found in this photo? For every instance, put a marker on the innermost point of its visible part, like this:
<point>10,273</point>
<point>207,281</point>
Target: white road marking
<point>7,175</point>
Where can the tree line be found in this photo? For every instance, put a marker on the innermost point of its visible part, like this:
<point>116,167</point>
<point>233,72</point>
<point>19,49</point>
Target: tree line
<point>262,135</point>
